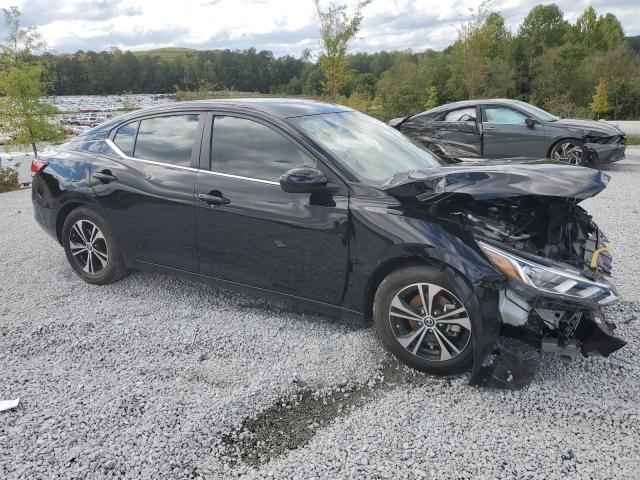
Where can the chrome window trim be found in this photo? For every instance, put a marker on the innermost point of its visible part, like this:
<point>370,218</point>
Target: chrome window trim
<point>250,179</point>
<point>121,154</point>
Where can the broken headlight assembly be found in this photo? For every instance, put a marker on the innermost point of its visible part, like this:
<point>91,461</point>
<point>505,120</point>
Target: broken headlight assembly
<point>561,282</point>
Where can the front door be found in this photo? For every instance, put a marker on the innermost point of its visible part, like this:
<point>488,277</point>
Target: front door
<point>146,181</point>
<point>505,134</point>
<point>251,232</point>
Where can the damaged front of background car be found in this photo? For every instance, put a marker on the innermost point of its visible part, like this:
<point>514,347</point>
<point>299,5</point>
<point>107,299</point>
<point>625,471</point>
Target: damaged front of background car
<point>554,261</point>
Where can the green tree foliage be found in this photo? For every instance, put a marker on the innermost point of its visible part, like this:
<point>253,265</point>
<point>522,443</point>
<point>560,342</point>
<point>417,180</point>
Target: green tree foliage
<point>550,62</point>
<point>21,110</point>
<point>8,179</point>
<point>401,88</point>
<point>20,43</point>
<point>543,27</point>
<point>22,113</point>
<point>337,29</point>
<point>482,58</point>
<point>431,100</point>
<point>600,102</point>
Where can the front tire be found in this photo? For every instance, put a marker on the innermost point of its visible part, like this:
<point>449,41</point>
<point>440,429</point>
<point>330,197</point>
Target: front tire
<point>569,150</point>
<point>420,316</point>
<point>91,248</point>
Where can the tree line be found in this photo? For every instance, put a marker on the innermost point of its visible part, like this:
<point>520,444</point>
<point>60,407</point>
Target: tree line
<point>549,62</point>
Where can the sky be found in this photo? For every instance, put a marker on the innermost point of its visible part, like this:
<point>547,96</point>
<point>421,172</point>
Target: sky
<point>282,26</point>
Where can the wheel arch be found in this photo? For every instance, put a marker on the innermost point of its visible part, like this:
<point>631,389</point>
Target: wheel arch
<point>561,139</point>
<point>69,207</point>
<point>64,212</point>
<point>393,264</point>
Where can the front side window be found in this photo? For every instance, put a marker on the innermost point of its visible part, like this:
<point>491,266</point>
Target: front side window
<point>125,138</point>
<point>167,139</point>
<point>504,115</point>
<point>461,115</point>
<point>249,149</point>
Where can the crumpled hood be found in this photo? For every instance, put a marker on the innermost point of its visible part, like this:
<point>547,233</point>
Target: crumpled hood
<point>588,125</point>
<point>487,180</point>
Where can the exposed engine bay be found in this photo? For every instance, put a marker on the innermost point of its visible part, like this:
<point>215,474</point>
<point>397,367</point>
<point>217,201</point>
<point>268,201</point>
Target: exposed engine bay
<point>555,259</point>
<point>545,227</point>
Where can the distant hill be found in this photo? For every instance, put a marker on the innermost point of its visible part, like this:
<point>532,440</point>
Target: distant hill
<point>166,52</point>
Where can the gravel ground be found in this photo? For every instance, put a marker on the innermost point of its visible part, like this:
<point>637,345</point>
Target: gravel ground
<point>155,377</point>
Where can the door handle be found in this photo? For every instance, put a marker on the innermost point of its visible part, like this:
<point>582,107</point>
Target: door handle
<point>104,176</point>
<point>490,129</point>
<point>213,199</point>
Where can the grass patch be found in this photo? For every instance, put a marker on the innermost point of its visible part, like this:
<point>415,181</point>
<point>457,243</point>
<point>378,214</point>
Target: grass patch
<point>633,139</point>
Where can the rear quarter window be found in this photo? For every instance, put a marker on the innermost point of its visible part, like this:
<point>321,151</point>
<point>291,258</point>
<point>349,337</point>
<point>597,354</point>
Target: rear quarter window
<point>125,138</point>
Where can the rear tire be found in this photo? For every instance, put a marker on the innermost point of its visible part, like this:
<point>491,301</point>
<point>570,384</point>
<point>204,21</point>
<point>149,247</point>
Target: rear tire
<point>435,339</point>
<point>91,248</point>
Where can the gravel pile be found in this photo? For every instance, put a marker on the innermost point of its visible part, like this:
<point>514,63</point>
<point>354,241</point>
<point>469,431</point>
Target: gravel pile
<point>155,377</point>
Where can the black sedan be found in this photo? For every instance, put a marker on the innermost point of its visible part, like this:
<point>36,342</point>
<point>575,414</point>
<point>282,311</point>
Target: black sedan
<point>502,128</point>
<point>336,212</point>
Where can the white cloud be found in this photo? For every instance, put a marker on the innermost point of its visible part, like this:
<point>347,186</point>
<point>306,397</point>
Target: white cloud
<point>283,26</point>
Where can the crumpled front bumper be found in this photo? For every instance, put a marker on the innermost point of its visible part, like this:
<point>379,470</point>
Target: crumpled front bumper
<point>498,368</point>
<point>605,152</point>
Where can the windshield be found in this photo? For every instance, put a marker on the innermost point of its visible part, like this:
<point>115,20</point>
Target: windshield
<point>538,112</point>
<point>373,151</point>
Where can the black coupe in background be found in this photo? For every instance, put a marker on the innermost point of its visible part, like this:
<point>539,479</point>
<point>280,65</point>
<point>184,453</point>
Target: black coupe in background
<point>332,210</point>
<point>501,128</point>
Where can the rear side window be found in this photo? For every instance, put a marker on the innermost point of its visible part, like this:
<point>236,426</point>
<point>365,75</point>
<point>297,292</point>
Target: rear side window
<point>167,139</point>
<point>504,115</point>
<point>125,138</point>
<point>461,115</point>
<point>249,149</point>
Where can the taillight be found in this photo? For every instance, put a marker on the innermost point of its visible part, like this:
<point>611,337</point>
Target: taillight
<point>37,165</point>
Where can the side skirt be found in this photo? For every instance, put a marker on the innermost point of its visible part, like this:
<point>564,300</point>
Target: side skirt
<point>303,304</point>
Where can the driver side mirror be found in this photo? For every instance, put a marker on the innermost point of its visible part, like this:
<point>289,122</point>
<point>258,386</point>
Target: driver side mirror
<point>303,180</point>
<point>530,122</point>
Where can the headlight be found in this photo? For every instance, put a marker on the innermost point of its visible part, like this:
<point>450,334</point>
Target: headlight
<point>555,281</point>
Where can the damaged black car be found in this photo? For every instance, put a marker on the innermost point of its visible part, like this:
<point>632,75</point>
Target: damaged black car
<point>331,210</point>
<point>503,128</point>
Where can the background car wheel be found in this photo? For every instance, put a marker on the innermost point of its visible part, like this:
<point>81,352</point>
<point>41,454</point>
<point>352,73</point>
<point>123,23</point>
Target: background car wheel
<point>91,248</point>
<point>569,151</point>
<point>420,316</point>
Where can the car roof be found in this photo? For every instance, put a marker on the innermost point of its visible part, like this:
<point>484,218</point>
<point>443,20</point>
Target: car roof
<point>472,103</point>
<point>281,108</point>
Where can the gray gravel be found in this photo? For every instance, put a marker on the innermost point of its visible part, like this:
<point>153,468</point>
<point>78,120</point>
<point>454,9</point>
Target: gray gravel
<point>155,377</point>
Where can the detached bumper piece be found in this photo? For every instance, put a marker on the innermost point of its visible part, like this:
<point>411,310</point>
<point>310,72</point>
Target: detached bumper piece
<point>596,336</point>
<point>504,370</point>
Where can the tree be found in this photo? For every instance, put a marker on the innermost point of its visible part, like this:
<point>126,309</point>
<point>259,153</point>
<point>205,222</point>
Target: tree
<point>21,42</point>
<point>600,103</point>
<point>21,111</point>
<point>337,29</point>
<point>432,98</point>
<point>543,27</point>
<point>470,52</point>
<point>597,33</point>
<point>401,88</point>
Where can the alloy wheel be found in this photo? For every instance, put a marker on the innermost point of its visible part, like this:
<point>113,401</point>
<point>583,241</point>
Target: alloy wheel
<point>88,247</point>
<point>568,152</point>
<point>430,322</point>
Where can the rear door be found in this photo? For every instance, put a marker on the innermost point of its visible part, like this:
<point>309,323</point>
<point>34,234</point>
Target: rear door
<point>146,184</point>
<point>458,133</point>
<point>506,134</point>
<point>257,234</point>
